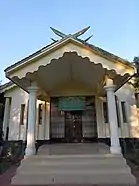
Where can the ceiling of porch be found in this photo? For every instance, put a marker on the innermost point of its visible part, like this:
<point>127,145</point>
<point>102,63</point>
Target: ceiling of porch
<point>70,73</point>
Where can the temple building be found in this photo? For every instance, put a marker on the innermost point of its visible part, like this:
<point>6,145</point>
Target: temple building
<point>70,91</point>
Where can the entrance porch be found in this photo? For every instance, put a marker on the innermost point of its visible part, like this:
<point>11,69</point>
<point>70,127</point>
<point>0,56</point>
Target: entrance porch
<point>71,76</point>
<point>79,82</point>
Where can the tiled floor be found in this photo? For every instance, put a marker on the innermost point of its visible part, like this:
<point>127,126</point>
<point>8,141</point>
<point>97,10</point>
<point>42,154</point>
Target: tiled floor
<point>73,148</point>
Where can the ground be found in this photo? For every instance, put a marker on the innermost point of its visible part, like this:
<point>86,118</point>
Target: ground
<point>5,178</point>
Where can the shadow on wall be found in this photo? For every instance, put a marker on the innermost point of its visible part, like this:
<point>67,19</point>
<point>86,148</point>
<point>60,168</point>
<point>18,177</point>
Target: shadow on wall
<point>135,124</point>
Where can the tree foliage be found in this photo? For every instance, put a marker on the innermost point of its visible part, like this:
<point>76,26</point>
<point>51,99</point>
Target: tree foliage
<point>136,80</point>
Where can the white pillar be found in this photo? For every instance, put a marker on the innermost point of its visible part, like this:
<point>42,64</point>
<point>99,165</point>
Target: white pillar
<point>115,144</point>
<point>6,116</point>
<point>30,149</point>
<point>47,121</point>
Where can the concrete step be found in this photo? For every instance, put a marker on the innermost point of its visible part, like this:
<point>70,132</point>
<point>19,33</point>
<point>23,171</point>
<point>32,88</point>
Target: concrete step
<point>72,161</point>
<point>55,164</point>
<point>95,156</point>
<point>73,165</point>
<point>76,170</point>
<point>69,158</point>
<point>73,169</point>
<point>82,178</point>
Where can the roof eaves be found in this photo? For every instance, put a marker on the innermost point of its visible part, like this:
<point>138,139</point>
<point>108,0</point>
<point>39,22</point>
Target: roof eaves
<point>93,47</point>
<point>29,57</point>
<point>39,52</point>
<point>107,54</point>
<point>6,86</point>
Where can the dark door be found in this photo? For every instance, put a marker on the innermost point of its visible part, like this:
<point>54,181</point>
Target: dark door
<point>73,126</point>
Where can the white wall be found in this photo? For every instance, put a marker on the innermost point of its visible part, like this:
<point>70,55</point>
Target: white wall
<point>18,97</point>
<point>100,118</point>
<point>126,130</point>
<point>42,131</point>
<point>17,131</point>
<point>131,128</point>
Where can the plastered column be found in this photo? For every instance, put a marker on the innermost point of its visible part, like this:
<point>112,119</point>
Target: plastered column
<point>115,144</point>
<point>47,120</point>
<point>30,149</point>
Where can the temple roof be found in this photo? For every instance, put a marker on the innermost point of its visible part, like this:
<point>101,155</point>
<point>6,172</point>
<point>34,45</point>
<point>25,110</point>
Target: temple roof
<point>65,37</point>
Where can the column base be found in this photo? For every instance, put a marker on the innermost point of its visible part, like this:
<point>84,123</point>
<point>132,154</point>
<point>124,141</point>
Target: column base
<point>30,151</point>
<point>115,150</point>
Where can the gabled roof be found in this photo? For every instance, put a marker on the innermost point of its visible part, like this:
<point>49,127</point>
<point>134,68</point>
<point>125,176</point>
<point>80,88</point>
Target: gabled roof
<point>94,48</point>
<point>29,57</point>
<point>6,86</point>
<point>107,54</point>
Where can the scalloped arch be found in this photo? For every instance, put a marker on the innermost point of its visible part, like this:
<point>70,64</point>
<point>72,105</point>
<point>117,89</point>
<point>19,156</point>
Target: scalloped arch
<point>67,68</point>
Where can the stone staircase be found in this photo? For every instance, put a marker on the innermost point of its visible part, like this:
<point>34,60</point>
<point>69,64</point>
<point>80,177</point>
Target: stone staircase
<point>106,169</point>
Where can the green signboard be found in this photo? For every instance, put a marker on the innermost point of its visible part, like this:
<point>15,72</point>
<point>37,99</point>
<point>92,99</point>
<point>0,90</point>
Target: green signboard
<point>71,103</point>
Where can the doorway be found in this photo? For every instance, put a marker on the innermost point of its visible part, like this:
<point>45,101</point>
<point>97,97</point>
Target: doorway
<point>73,126</point>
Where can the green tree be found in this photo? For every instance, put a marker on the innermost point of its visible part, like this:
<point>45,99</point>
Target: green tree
<point>136,80</point>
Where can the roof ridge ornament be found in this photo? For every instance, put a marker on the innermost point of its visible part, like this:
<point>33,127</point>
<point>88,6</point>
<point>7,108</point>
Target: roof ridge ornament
<point>76,35</point>
<point>57,32</point>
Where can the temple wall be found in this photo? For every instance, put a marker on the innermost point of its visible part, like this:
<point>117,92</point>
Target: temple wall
<point>18,97</point>
<point>18,131</point>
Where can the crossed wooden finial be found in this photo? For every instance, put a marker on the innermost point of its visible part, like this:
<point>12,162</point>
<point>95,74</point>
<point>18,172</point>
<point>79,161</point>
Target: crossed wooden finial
<point>76,35</point>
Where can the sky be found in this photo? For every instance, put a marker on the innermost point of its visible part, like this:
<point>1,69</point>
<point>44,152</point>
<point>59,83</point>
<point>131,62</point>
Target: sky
<point>25,26</point>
